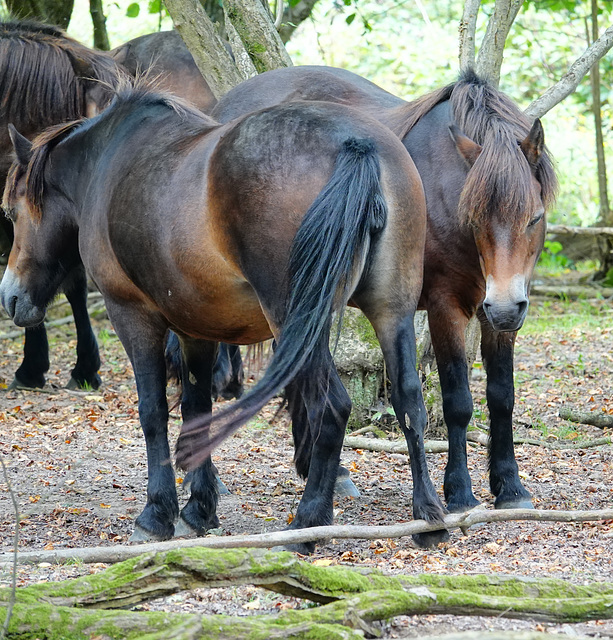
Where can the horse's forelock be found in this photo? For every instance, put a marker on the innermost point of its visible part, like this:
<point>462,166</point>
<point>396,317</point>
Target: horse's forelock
<point>501,179</point>
<point>35,172</point>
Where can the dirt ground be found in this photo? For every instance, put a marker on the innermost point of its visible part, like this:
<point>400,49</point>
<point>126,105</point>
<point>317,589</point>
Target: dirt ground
<point>76,462</point>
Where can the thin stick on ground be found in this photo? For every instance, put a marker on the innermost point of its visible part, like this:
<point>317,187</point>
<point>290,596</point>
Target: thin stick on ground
<point>118,553</point>
<point>13,597</point>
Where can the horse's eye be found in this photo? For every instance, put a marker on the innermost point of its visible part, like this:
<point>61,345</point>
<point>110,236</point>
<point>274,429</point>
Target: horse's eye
<point>537,218</point>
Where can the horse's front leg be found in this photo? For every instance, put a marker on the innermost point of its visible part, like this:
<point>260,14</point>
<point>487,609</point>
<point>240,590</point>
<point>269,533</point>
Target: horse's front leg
<point>447,329</point>
<point>35,363</point>
<point>397,339</point>
<point>143,339</point>
<point>85,372</point>
<point>497,352</point>
<point>200,513</point>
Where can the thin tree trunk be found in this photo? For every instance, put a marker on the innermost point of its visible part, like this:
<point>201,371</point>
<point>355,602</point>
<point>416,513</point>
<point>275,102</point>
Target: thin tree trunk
<point>101,36</point>
<point>56,12</point>
<point>467,29</point>
<point>293,15</point>
<point>491,52</point>
<point>605,217</point>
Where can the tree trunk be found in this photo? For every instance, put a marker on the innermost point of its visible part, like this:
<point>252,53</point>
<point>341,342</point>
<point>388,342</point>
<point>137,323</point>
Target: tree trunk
<point>293,15</point>
<point>101,37</point>
<point>467,28</point>
<point>255,28</point>
<point>605,218</point>
<point>56,12</point>
<point>491,52</point>
<point>204,43</point>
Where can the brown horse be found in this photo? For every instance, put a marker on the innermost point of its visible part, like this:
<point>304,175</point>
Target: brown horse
<point>47,78</point>
<point>263,226</point>
<point>488,181</point>
<point>164,56</point>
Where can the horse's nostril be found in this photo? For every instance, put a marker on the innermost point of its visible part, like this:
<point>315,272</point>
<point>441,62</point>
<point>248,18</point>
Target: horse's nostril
<point>522,307</point>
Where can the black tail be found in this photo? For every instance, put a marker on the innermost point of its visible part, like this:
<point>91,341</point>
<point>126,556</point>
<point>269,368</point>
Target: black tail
<point>330,244</point>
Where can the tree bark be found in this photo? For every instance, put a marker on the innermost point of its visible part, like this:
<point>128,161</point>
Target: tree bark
<point>491,51</point>
<point>101,37</point>
<point>255,28</point>
<point>467,28</point>
<point>57,12</point>
<point>201,38</point>
<point>571,79</point>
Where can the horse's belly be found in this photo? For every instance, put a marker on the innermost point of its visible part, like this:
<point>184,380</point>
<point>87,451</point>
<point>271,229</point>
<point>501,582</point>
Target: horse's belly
<point>237,321</point>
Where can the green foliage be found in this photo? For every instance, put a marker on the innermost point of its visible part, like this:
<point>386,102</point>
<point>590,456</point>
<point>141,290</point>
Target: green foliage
<point>608,280</point>
<point>552,260</point>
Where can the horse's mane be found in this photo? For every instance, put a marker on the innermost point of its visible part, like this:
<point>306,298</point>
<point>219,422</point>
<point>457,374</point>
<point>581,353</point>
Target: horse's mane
<point>38,84</point>
<point>188,126</point>
<point>500,178</point>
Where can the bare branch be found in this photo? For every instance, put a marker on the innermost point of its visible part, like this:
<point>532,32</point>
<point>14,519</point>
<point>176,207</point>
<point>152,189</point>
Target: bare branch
<point>348,532</point>
<point>571,79</point>
<point>467,28</point>
<point>595,418</point>
<point>491,51</point>
<point>13,597</point>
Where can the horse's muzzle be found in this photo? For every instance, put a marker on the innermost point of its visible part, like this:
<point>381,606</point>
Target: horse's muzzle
<point>506,317</point>
<point>18,303</point>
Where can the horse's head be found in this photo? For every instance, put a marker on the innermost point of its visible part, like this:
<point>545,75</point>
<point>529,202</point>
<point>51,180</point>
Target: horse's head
<point>504,201</point>
<point>45,246</point>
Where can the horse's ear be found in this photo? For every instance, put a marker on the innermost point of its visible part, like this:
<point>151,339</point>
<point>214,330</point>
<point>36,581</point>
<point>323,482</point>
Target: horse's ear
<point>22,146</point>
<point>468,149</point>
<point>96,96</point>
<point>534,143</point>
<point>120,55</point>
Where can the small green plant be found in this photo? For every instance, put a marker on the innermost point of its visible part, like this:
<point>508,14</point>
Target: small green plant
<point>552,260</point>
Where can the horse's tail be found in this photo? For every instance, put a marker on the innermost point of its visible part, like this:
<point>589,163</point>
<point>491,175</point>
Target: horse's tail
<point>326,259</point>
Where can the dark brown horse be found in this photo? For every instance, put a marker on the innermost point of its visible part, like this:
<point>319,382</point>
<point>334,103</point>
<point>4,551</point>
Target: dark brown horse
<point>238,232</point>
<point>488,181</point>
<point>47,78</point>
<point>164,56</point>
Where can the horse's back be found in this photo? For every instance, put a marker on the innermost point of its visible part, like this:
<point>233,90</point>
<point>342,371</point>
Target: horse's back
<point>310,83</point>
<point>165,58</point>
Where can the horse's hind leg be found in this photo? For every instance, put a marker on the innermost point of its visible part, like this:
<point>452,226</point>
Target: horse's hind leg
<point>497,352</point>
<point>397,339</point>
<point>447,327</point>
<point>326,409</point>
<point>228,373</point>
<point>200,513</point>
<point>85,372</point>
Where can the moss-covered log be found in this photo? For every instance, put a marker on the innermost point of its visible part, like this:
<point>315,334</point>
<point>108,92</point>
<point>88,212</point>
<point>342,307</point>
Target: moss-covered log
<point>89,605</point>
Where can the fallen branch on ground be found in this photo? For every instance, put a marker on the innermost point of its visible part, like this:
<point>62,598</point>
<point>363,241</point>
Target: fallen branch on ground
<point>595,418</point>
<point>563,229</point>
<point>442,446</point>
<point>119,553</point>
<point>587,292</point>
<point>352,598</point>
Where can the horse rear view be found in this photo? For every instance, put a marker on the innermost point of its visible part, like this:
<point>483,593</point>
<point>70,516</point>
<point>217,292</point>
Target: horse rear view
<point>261,227</point>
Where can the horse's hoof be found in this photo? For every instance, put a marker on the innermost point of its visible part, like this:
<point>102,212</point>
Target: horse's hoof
<point>183,530</point>
<point>221,487</point>
<point>141,535</point>
<point>462,507</point>
<point>518,503</point>
<point>303,548</point>
<point>17,385</point>
<point>430,539</point>
<point>344,488</point>
<point>84,385</point>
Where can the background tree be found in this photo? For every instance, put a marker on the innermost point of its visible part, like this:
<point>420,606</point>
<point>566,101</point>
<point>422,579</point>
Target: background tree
<point>55,12</point>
